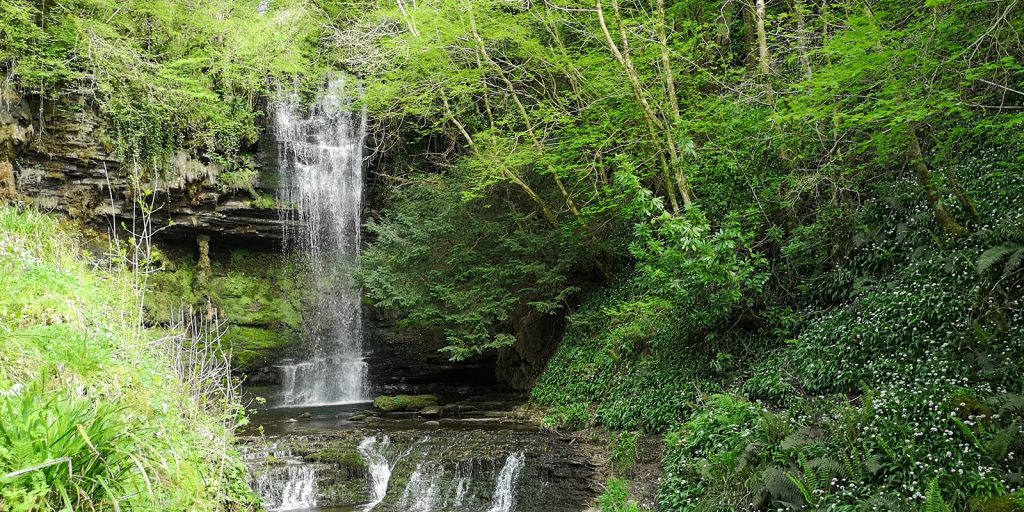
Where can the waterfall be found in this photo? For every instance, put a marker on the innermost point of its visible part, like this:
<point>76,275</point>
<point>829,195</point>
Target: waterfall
<point>421,493</point>
<point>373,450</point>
<point>435,482</point>
<point>504,491</point>
<point>289,484</point>
<point>321,156</point>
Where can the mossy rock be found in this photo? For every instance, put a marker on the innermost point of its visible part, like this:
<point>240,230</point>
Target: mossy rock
<point>1008,503</point>
<point>253,347</point>
<point>404,403</point>
<point>251,299</point>
<point>349,461</point>
<point>169,291</point>
<point>247,288</point>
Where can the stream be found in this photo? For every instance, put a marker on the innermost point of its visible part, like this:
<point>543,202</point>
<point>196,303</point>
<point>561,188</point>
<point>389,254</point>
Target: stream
<point>479,457</point>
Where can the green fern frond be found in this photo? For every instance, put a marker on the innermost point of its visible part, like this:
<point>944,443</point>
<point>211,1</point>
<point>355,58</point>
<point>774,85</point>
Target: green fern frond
<point>807,493</point>
<point>994,255</point>
<point>933,501</point>
<point>1013,263</point>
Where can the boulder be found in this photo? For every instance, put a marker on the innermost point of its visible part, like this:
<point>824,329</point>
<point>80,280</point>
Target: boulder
<point>432,412</point>
<point>404,403</point>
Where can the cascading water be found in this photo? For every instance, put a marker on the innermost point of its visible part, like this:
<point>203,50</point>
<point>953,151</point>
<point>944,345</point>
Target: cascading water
<point>436,483</point>
<point>505,490</point>
<point>288,484</point>
<point>321,156</point>
<point>379,467</point>
<point>422,492</point>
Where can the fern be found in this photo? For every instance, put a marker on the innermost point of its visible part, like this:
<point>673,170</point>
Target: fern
<point>1002,443</point>
<point>933,501</point>
<point>1011,252</point>
<point>815,475</point>
<point>857,465</point>
<point>1007,404</point>
<point>806,491</point>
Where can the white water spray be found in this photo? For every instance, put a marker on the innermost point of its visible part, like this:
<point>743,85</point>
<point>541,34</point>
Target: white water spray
<point>373,450</point>
<point>505,490</point>
<point>321,155</point>
<point>288,486</point>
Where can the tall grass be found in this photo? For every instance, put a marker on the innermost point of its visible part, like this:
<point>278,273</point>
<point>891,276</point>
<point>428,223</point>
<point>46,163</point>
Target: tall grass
<point>97,411</point>
<point>74,454</point>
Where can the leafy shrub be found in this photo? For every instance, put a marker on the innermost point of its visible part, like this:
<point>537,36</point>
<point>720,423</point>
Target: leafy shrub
<point>568,416</point>
<point>709,459</point>
<point>611,356</point>
<point>624,450</point>
<point>689,265</point>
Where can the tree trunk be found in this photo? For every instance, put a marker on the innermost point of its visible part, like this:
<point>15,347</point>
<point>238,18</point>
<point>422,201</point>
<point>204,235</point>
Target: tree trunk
<point>545,210</point>
<point>924,178</point>
<point>408,19</point>
<point>654,124</point>
<point>666,62</point>
<point>799,12</point>
<point>963,198</point>
<point>763,64</point>
<point>522,110</point>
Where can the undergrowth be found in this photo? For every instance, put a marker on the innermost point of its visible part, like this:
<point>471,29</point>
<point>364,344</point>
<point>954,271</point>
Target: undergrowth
<point>892,382</point>
<point>94,414</point>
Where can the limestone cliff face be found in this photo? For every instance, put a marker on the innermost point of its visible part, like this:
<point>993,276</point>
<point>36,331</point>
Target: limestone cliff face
<point>60,156</point>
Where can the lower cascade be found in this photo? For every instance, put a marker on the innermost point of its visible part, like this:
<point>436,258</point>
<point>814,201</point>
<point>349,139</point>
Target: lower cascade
<point>437,484</point>
<point>379,467</point>
<point>417,471</point>
<point>288,484</point>
<point>504,491</point>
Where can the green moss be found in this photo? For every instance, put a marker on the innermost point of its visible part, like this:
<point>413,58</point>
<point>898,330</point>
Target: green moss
<point>407,403</point>
<point>347,459</point>
<point>252,347</point>
<point>344,491</point>
<point>257,294</point>
<point>169,291</point>
<point>258,289</point>
<point>1008,503</point>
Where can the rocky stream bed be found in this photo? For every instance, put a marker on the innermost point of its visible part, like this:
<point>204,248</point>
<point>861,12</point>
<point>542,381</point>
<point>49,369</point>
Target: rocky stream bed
<point>478,454</point>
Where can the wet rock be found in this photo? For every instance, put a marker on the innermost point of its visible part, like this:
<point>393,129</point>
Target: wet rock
<point>537,336</point>
<point>409,362</point>
<point>431,411</point>
<point>305,415</point>
<point>72,167</point>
